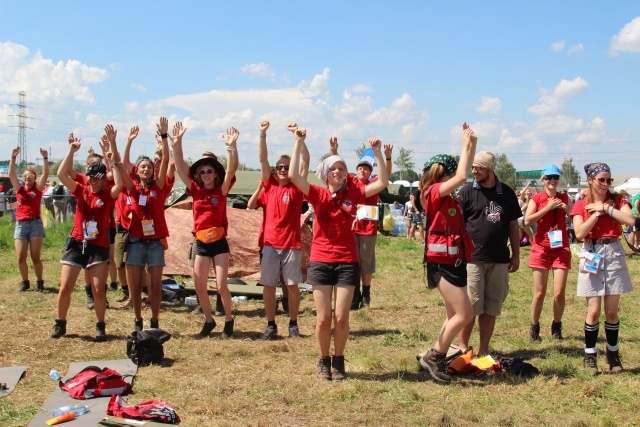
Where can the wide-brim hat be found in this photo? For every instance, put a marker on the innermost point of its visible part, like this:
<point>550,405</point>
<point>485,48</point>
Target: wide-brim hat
<point>208,159</point>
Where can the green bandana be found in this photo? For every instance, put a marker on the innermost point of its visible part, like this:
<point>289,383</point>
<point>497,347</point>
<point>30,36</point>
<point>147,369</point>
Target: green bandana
<point>448,162</point>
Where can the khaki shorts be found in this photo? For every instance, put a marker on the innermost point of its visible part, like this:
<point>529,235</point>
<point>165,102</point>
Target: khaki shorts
<point>280,261</point>
<point>487,287</point>
<point>119,255</point>
<point>613,274</point>
<point>367,253</point>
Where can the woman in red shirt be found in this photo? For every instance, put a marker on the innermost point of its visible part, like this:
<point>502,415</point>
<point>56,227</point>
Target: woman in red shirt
<point>209,184</point>
<point>333,262</point>
<point>603,274</point>
<point>29,232</point>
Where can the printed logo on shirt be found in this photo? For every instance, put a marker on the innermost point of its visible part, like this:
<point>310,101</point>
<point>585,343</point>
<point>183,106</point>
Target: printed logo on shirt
<point>285,197</point>
<point>452,211</point>
<point>32,194</point>
<point>152,193</point>
<point>214,201</point>
<point>493,212</point>
<point>99,202</point>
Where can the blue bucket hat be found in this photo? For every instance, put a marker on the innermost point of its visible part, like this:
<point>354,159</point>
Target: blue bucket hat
<point>550,170</point>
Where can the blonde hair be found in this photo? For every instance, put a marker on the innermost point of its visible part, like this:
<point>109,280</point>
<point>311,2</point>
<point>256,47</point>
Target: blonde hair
<point>431,176</point>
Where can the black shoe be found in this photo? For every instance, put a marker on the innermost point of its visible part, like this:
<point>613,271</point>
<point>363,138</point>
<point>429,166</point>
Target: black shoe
<point>227,331</point>
<point>270,333</point>
<point>40,286</point>
<point>154,324</point>
<point>124,296</point>
<point>337,368</point>
<point>590,363</point>
<point>24,285</point>
<point>89,292</point>
<point>613,359</point>
<point>59,329</point>
<point>324,368</point>
<point>556,331</point>
<point>534,334</point>
<point>436,364</point>
<point>366,302</point>
<point>101,335</point>
<point>355,304</point>
<point>138,325</point>
<point>207,328</point>
<point>114,286</point>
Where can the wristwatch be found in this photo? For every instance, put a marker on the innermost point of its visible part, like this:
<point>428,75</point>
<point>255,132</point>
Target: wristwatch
<point>597,214</point>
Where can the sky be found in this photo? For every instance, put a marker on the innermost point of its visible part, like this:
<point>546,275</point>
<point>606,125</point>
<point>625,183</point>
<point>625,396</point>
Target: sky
<point>538,80</point>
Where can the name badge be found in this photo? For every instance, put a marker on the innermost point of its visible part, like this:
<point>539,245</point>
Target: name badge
<point>142,200</point>
<point>591,262</point>
<point>128,200</point>
<point>147,227</point>
<point>555,238</point>
<point>367,212</point>
<point>90,230</point>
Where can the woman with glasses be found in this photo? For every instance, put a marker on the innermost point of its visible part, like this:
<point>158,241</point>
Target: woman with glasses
<point>603,274</point>
<point>549,250</point>
<point>29,232</point>
<point>208,184</point>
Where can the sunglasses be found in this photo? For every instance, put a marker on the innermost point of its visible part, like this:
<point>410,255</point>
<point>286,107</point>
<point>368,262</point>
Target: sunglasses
<point>205,171</point>
<point>552,177</point>
<point>281,167</point>
<point>608,181</point>
<point>478,168</point>
<point>28,175</point>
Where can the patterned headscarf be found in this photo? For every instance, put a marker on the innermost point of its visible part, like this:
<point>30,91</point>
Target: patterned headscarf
<point>323,168</point>
<point>448,162</point>
<point>593,169</point>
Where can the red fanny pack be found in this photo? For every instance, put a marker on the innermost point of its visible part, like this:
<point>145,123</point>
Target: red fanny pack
<point>95,382</point>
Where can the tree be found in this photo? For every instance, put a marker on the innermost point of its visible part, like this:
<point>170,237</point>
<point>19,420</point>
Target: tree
<point>408,175</point>
<point>360,150</point>
<point>505,171</point>
<point>325,156</point>
<point>404,162</point>
<point>570,175</point>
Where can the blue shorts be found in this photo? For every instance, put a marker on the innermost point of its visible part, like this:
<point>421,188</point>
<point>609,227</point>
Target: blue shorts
<point>143,252</point>
<point>27,229</point>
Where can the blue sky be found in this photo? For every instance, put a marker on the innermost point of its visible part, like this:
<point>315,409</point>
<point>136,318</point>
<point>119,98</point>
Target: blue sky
<point>539,81</point>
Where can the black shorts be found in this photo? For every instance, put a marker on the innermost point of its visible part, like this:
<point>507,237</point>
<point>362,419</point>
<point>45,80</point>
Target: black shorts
<point>212,249</point>
<point>112,236</point>
<point>456,275</point>
<point>637,227</point>
<point>72,254</point>
<point>333,273</point>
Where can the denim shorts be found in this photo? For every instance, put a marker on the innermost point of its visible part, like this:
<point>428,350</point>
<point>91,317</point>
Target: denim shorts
<point>143,252</point>
<point>27,229</point>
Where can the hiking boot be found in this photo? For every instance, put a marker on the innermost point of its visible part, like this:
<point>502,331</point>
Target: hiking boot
<point>114,286</point>
<point>285,305</point>
<point>154,324</point>
<point>124,296</point>
<point>89,292</point>
<point>40,286</point>
<point>534,334</point>
<point>590,363</point>
<point>101,335</point>
<point>227,331</point>
<point>294,331</point>
<point>59,329</point>
<point>437,366</point>
<point>613,359</point>
<point>138,326</point>
<point>366,302</point>
<point>556,331</point>
<point>207,328</point>
<point>324,368</point>
<point>355,304</point>
<point>270,333</point>
<point>24,285</point>
<point>337,368</point>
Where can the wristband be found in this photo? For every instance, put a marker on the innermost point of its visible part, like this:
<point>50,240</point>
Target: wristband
<point>388,159</point>
<point>263,135</point>
<point>164,135</point>
<point>231,149</point>
<point>611,211</point>
<point>45,158</point>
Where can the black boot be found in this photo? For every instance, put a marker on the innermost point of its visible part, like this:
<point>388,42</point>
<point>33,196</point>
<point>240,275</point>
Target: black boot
<point>59,329</point>
<point>40,285</point>
<point>101,334</point>
<point>114,286</point>
<point>556,331</point>
<point>357,298</point>
<point>24,285</point>
<point>338,372</point>
<point>89,291</point>
<point>125,294</point>
<point>534,333</point>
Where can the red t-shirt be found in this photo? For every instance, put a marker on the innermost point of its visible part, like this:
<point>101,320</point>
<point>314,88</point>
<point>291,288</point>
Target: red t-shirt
<point>261,203</point>
<point>84,179</point>
<point>209,207</point>
<point>333,239</point>
<point>553,220</point>
<point>152,208</point>
<point>366,227</point>
<point>92,207</point>
<point>123,209</point>
<point>282,220</point>
<point>30,200</point>
<point>605,226</point>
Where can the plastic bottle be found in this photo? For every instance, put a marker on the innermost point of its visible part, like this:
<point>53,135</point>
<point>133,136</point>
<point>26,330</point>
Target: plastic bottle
<point>54,374</point>
<point>234,299</point>
<point>76,409</point>
<point>243,298</point>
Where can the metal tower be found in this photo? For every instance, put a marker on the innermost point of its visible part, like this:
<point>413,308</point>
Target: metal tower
<point>22,127</point>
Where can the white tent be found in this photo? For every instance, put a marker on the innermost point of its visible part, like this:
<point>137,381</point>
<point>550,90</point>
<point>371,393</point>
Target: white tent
<point>403,183</point>
<point>632,186</point>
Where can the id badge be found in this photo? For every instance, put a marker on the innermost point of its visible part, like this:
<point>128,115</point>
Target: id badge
<point>90,230</point>
<point>128,200</point>
<point>555,238</point>
<point>142,200</point>
<point>147,227</point>
<point>367,212</point>
<point>591,262</point>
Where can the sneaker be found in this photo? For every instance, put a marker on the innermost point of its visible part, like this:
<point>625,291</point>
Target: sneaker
<point>294,331</point>
<point>24,285</point>
<point>154,324</point>
<point>324,368</point>
<point>366,302</point>
<point>125,294</point>
<point>59,329</point>
<point>337,368</point>
<point>437,366</point>
<point>613,359</point>
<point>556,331</point>
<point>534,334</point>
<point>89,292</point>
<point>227,331</point>
<point>270,333</point>
<point>590,363</point>
<point>114,286</point>
<point>138,326</point>
<point>207,328</point>
<point>40,286</point>
<point>101,335</point>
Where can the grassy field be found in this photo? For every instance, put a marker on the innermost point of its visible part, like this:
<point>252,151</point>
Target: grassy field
<point>245,381</point>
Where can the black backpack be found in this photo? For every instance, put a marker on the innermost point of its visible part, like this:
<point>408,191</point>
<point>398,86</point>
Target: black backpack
<point>58,190</point>
<point>146,347</point>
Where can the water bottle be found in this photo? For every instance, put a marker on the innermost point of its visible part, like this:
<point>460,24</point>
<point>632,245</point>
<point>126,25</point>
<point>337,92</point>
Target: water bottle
<point>243,298</point>
<point>76,409</point>
<point>234,299</point>
<point>54,374</point>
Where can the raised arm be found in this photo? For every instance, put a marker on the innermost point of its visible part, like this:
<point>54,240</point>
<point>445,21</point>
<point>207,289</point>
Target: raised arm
<point>45,169</point>
<point>263,154</point>
<point>294,167</point>
<point>383,175</point>
<point>13,175</point>
<point>114,160</point>
<point>253,200</point>
<point>388,150</point>
<point>126,155</point>
<point>333,143</point>
<point>67,162</point>
<point>469,142</point>
<point>178,156</point>
<point>163,128</point>
<point>230,140</point>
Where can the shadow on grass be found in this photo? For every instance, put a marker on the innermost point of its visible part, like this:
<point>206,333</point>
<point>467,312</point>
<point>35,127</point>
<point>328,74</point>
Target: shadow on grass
<point>423,376</point>
<point>373,332</point>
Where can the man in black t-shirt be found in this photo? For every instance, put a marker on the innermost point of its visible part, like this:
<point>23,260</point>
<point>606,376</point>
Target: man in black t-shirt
<point>491,212</point>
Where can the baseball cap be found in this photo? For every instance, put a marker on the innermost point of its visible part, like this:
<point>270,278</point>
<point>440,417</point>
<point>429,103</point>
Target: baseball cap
<point>97,170</point>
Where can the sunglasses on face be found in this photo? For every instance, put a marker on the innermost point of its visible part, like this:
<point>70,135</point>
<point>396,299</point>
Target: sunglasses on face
<point>552,177</point>
<point>205,171</point>
<point>478,168</point>
<point>281,167</point>
<point>607,181</point>
<point>28,175</point>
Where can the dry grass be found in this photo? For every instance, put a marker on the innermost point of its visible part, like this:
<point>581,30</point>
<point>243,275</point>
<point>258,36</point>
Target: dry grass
<point>245,381</point>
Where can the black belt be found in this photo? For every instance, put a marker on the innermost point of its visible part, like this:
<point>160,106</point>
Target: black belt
<point>120,228</point>
<point>30,219</point>
<point>603,241</point>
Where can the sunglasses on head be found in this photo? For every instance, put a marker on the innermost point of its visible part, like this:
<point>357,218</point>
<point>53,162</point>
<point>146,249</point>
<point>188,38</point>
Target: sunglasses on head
<point>281,167</point>
<point>552,177</point>
<point>608,181</point>
<point>205,171</point>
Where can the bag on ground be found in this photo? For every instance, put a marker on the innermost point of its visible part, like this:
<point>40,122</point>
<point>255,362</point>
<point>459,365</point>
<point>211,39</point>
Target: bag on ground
<point>146,347</point>
<point>95,382</point>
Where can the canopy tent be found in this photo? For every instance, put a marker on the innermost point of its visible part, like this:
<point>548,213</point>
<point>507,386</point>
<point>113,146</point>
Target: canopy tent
<point>632,186</point>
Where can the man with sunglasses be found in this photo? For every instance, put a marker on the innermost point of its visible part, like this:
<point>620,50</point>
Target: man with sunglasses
<point>491,213</point>
<point>282,250</point>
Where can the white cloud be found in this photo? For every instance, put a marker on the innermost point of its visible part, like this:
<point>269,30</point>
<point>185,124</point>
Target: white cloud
<point>628,39</point>
<point>489,105</point>
<point>575,49</point>
<point>558,46</point>
<point>361,88</point>
<point>138,87</point>
<point>552,102</point>
<point>570,88</point>
<point>131,107</point>
<point>259,70</point>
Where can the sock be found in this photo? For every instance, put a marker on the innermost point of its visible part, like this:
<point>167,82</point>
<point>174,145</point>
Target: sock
<point>293,323</point>
<point>271,323</point>
<point>591,334</point>
<point>366,291</point>
<point>611,332</point>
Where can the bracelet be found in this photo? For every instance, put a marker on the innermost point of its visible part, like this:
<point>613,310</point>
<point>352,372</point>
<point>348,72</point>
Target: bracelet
<point>388,159</point>
<point>231,149</point>
<point>164,135</point>
<point>45,158</point>
<point>611,211</point>
<point>263,135</point>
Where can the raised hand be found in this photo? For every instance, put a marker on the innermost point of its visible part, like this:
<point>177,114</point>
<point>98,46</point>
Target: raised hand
<point>388,149</point>
<point>74,144</point>
<point>264,126</point>
<point>90,151</point>
<point>333,143</point>
<point>111,133</point>
<point>468,136</point>
<point>375,144</point>
<point>300,134</point>
<point>163,126</point>
<point>133,133</point>
<point>178,131</point>
<point>104,143</point>
<point>291,127</point>
<point>231,137</point>
<point>44,153</point>
<point>71,138</point>
<point>15,152</point>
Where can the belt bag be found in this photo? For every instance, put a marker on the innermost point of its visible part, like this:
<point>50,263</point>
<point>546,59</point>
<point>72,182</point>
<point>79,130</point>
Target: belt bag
<point>210,235</point>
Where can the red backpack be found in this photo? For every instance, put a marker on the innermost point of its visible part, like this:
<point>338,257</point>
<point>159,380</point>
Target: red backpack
<point>95,382</point>
<point>147,410</point>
